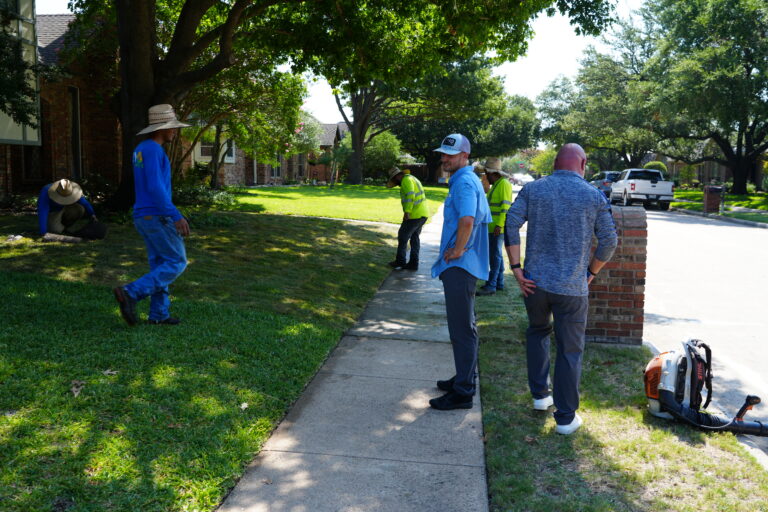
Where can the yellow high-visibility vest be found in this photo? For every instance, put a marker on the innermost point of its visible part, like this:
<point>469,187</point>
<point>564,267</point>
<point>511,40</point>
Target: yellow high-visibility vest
<point>499,199</point>
<point>413,198</point>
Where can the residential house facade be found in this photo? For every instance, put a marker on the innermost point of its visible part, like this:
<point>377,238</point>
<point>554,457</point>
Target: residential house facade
<point>19,144</point>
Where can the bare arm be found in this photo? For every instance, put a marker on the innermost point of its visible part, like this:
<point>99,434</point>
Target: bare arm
<point>462,236</point>
<point>527,286</point>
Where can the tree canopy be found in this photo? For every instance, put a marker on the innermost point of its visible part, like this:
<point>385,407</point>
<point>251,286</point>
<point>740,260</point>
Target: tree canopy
<point>709,80</point>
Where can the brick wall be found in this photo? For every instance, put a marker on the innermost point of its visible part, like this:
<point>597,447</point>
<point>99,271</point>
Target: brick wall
<point>617,295</point>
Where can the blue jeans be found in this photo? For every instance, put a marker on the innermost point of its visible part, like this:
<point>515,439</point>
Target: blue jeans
<point>496,255</point>
<point>167,260</point>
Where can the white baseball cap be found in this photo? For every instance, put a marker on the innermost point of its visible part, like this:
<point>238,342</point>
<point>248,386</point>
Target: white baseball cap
<point>454,144</point>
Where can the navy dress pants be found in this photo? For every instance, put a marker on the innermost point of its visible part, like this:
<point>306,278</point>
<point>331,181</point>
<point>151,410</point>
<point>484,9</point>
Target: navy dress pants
<point>570,322</point>
<point>459,286</point>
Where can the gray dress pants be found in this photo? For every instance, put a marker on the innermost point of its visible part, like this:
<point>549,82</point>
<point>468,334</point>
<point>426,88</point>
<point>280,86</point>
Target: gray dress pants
<point>570,322</point>
<point>459,286</point>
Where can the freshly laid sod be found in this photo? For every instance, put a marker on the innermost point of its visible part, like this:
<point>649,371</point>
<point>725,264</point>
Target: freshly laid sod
<point>358,202</point>
<point>97,416</point>
<point>622,459</point>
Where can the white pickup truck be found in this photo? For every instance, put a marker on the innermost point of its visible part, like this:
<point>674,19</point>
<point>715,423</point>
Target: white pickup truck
<point>642,185</point>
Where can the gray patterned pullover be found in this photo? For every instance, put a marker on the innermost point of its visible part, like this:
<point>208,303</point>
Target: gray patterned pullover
<point>563,213</point>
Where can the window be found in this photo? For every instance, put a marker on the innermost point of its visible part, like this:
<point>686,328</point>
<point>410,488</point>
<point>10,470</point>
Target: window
<point>205,152</point>
<point>277,168</point>
<point>301,165</point>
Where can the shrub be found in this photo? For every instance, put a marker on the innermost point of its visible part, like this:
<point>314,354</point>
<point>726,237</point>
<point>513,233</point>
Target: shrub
<point>688,174</point>
<point>202,195</point>
<point>655,164</point>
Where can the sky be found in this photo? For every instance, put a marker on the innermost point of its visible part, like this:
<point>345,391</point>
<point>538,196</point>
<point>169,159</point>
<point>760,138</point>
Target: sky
<point>554,50</point>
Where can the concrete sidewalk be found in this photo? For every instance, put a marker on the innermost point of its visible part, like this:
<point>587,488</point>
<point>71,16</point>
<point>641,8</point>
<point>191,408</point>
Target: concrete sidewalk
<point>362,436</point>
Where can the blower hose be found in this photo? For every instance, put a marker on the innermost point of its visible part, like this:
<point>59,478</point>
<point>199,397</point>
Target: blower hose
<point>710,421</point>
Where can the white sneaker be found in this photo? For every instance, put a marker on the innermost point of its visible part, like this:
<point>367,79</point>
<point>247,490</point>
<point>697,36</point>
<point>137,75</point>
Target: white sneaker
<point>571,427</point>
<point>542,404</point>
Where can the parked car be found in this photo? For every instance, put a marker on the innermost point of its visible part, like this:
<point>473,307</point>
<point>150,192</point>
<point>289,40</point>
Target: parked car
<point>603,181</point>
<point>642,185</point>
<point>522,178</point>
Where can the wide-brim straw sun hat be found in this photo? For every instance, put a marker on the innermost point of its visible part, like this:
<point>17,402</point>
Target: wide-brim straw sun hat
<point>65,192</point>
<point>392,173</point>
<point>493,164</point>
<point>162,117</point>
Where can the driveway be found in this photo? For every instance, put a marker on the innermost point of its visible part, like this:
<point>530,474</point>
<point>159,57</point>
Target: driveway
<point>708,279</point>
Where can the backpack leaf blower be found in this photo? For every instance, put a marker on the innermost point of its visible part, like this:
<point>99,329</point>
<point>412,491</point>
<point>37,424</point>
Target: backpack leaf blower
<point>673,384</point>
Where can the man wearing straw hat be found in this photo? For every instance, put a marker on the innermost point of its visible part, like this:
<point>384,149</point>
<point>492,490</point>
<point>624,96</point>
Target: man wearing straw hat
<point>499,199</point>
<point>415,214</point>
<point>60,205</point>
<point>157,220</point>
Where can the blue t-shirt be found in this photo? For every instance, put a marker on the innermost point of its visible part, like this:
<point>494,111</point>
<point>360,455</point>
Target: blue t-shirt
<point>563,213</point>
<point>466,198</point>
<point>152,179</point>
<point>45,206</point>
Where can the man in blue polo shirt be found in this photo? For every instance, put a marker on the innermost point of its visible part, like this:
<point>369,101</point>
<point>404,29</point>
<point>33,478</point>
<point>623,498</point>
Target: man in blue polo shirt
<point>463,260</point>
<point>157,220</point>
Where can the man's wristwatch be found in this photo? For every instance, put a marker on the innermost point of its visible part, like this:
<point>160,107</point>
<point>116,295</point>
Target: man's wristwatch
<point>514,266</point>
<point>590,273</point>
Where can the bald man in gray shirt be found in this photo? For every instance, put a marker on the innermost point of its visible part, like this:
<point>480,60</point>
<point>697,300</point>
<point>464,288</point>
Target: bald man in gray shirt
<point>563,213</point>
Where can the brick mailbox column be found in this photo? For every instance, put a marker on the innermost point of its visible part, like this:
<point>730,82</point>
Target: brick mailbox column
<point>617,295</point>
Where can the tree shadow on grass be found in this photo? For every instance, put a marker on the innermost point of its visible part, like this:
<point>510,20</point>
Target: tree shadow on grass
<point>262,305</point>
<point>167,419</point>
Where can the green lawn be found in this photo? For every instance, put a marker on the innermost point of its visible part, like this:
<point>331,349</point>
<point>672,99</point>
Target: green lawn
<point>359,202</point>
<point>166,417</point>
<point>756,201</point>
<point>623,459</point>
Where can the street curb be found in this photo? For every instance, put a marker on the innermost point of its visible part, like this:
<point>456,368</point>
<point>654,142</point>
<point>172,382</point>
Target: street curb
<point>717,216</point>
<point>760,456</point>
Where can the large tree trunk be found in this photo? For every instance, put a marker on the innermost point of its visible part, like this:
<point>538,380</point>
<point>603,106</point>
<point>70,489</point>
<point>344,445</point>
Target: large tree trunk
<point>741,169</point>
<point>136,21</point>
<point>432,158</point>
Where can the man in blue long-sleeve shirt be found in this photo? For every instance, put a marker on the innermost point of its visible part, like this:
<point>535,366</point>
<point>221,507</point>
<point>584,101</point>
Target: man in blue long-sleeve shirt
<point>563,213</point>
<point>157,220</point>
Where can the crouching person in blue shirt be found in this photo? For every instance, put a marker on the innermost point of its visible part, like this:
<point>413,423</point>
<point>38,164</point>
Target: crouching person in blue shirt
<point>463,260</point>
<point>157,220</point>
<point>60,205</point>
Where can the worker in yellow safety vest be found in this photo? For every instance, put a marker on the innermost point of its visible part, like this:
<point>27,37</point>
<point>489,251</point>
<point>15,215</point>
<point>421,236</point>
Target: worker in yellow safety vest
<point>415,214</point>
<point>499,199</point>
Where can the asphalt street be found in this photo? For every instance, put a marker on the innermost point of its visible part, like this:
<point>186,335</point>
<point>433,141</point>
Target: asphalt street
<point>708,279</point>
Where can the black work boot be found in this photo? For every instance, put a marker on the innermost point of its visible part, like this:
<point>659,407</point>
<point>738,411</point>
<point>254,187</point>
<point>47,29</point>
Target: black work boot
<point>127,305</point>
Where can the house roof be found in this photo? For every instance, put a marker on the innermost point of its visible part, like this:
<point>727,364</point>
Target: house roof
<point>328,137</point>
<point>50,35</point>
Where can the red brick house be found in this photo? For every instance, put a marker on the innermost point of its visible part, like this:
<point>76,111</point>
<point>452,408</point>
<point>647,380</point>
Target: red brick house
<point>79,135</point>
<point>301,167</point>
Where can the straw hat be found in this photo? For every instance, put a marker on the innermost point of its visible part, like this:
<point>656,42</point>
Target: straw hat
<point>493,164</point>
<point>162,117</point>
<point>392,173</point>
<point>65,192</point>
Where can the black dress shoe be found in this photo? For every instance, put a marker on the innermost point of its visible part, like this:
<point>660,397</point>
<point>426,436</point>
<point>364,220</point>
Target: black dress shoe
<point>446,385</point>
<point>396,265</point>
<point>451,401</point>
<point>485,291</point>
<point>411,265</point>
<point>168,321</point>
